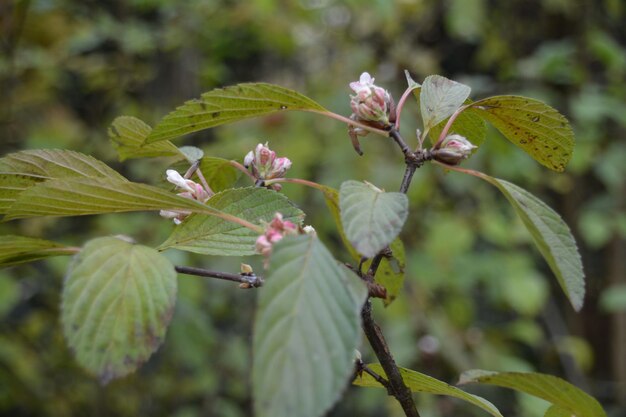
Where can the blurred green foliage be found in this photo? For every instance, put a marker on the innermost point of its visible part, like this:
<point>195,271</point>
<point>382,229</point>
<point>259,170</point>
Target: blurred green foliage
<point>477,295</point>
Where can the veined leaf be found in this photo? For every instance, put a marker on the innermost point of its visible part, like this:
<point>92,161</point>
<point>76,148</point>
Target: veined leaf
<point>540,130</point>
<point>22,170</point>
<point>53,163</point>
<point>20,249</point>
<point>209,235</point>
<point>96,196</point>
<point>550,388</point>
<point>128,135</point>
<point>552,237</point>
<point>117,301</point>
<point>228,105</point>
<point>440,98</point>
<point>11,185</point>
<point>390,272</point>
<point>306,331</point>
<point>371,218</point>
<point>418,382</point>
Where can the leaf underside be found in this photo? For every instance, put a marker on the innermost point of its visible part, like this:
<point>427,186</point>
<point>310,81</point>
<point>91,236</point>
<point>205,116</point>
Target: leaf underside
<point>306,331</point>
<point>228,105</point>
<point>117,301</point>
<point>390,273</point>
<point>372,219</point>
<point>440,98</point>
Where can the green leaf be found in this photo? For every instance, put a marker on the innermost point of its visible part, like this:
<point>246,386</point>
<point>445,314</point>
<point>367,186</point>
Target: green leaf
<point>128,135</point>
<point>372,219</point>
<point>555,411</point>
<point>548,387</point>
<point>218,172</point>
<point>411,83</point>
<point>229,105</point>
<point>192,153</point>
<point>53,163</point>
<point>540,130</point>
<point>552,237</point>
<point>20,249</point>
<point>96,196</point>
<point>209,235</point>
<point>467,124</point>
<point>418,382</point>
<point>440,98</point>
<point>11,185</point>
<point>306,330</point>
<point>390,272</point>
<point>22,170</point>
<point>117,301</point>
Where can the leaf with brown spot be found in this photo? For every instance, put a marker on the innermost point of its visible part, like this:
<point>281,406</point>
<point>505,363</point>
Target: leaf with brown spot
<point>540,130</point>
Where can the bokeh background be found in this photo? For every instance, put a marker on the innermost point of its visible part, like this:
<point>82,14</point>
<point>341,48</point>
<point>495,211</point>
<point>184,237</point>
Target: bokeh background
<point>477,295</point>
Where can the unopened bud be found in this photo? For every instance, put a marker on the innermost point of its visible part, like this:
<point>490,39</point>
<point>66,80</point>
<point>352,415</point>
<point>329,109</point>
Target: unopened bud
<point>246,269</point>
<point>264,165</point>
<point>371,103</point>
<point>453,150</point>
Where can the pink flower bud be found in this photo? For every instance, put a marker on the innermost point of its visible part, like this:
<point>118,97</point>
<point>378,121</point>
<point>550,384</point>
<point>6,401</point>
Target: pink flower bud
<point>371,103</point>
<point>453,150</point>
<point>275,231</point>
<point>264,165</point>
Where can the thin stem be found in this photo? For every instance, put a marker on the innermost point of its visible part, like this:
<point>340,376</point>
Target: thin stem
<point>446,128</point>
<point>395,135</point>
<point>296,181</point>
<point>242,169</point>
<point>351,122</point>
<point>463,170</point>
<point>204,182</point>
<point>250,281</point>
<point>400,106</point>
<point>407,178</point>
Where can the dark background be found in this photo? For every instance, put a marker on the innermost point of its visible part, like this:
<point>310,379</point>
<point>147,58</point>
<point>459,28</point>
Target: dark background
<point>477,293</point>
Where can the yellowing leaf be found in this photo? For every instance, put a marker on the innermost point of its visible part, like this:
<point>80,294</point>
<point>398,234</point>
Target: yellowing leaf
<point>540,130</point>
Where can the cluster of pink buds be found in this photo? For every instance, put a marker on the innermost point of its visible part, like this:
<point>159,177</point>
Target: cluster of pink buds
<point>191,190</point>
<point>264,165</point>
<point>274,232</point>
<point>371,103</point>
<point>453,150</point>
